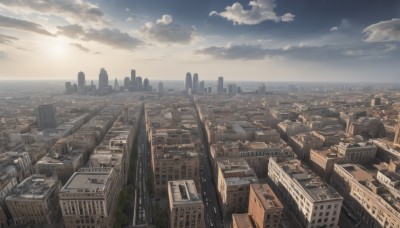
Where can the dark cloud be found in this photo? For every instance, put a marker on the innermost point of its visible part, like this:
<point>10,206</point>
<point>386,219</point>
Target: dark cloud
<point>300,52</point>
<point>72,10</point>
<point>260,10</point>
<point>13,23</point>
<point>384,31</point>
<point>166,31</point>
<point>111,37</point>
<point>81,47</point>
<point>7,40</point>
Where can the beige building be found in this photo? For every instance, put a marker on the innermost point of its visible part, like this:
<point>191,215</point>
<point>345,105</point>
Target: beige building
<point>369,196</point>
<point>89,198</point>
<point>256,154</point>
<point>35,201</point>
<point>322,161</point>
<point>265,209</point>
<point>360,152</point>
<point>185,207</point>
<point>241,221</point>
<point>173,157</point>
<point>234,179</point>
<point>302,144</point>
<point>311,202</point>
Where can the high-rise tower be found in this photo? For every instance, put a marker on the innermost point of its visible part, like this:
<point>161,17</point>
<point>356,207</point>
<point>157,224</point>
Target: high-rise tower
<point>195,86</point>
<point>133,76</point>
<point>188,81</point>
<point>46,116</point>
<point>81,82</point>
<point>103,78</point>
<point>220,86</point>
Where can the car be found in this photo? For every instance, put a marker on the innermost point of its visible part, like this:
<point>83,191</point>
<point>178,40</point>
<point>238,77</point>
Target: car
<point>215,210</point>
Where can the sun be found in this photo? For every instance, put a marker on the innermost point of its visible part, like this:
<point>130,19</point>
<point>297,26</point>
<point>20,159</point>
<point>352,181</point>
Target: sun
<point>58,50</point>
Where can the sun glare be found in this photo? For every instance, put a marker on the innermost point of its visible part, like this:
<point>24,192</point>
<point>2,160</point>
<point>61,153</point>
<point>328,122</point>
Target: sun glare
<point>58,50</point>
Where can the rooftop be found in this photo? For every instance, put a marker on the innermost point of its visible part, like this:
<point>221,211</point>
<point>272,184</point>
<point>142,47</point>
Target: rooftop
<point>317,189</point>
<point>34,187</point>
<point>242,220</point>
<point>88,181</point>
<point>183,192</point>
<point>266,196</point>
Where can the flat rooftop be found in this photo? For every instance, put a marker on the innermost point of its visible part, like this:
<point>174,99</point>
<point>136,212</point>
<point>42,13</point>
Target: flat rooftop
<point>92,181</point>
<point>35,187</point>
<point>183,192</point>
<point>266,196</point>
<point>317,189</point>
<point>242,220</point>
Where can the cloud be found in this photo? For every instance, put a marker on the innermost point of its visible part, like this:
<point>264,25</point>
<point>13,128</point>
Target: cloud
<point>260,10</point>
<point>81,47</point>
<point>111,37</point>
<point>384,31</point>
<point>71,10</point>
<point>166,31</point>
<point>3,55</point>
<point>334,29</point>
<point>13,23</point>
<point>299,52</point>
<point>7,40</point>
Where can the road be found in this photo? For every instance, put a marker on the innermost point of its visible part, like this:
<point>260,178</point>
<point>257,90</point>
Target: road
<point>142,212</point>
<point>212,212</point>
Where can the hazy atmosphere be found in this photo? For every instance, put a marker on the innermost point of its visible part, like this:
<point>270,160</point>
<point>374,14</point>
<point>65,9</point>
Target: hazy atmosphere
<point>261,40</point>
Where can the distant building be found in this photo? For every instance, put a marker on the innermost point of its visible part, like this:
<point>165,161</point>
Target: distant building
<point>127,83</point>
<point>232,88</point>
<point>234,179</point>
<point>81,82</point>
<point>138,84</point>
<point>201,87</point>
<point>160,87</point>
<point>146,84</point>
<point>68,88</point>
<point>133,77</point>
<point>220,85</point>
<point>35,201</point>
<point>376,101</point>
<point>188,81</point>
<point>89,199</point>
<point>368,127</point>
<point>195,86</point>
<point>103,79</point>
<point>310,201</point>
<point>185,207</point>
<point>46,116</point>
<point>261,89</point>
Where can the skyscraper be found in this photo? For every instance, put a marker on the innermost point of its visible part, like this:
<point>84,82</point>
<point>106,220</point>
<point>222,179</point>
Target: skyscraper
<point>103,79</point>
<point>160,87</point>
<point>127,81</point>
<point>220,86</point>
<point>201,87</point>
<point>195,82</point>
<point>133,76</point>
<point>46,116</point>
<point>188,81</point>
<point>68,88</point>
<point>81,82</point>
<point>138,83</point>
<point>146,84</point>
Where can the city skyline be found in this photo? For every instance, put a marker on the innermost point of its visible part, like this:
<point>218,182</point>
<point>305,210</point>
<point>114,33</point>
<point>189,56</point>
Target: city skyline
<point>260,40</point>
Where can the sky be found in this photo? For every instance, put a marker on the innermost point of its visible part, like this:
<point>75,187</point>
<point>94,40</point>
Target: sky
<point>261,40</point>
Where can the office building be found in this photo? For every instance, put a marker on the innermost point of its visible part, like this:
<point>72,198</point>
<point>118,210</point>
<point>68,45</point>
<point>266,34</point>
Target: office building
<point>201,87</point>
<point>146,84</point>
<point>261,89</point>
<point>195,86</point>
<point>81,82</point>
<point>46,116</point>
<point>311,202</point>
<point>220,85</point>
<point>234,179</point>
<point>103,79</point>
<point>89,198</point>
<point>160,87</point>
<point>188,81</point>
<point>35,201</point>
<point>133,77</point>
<point>68,88</point>
<point>138,84</point>
<point>185,207</point>
<point>127,82</point>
